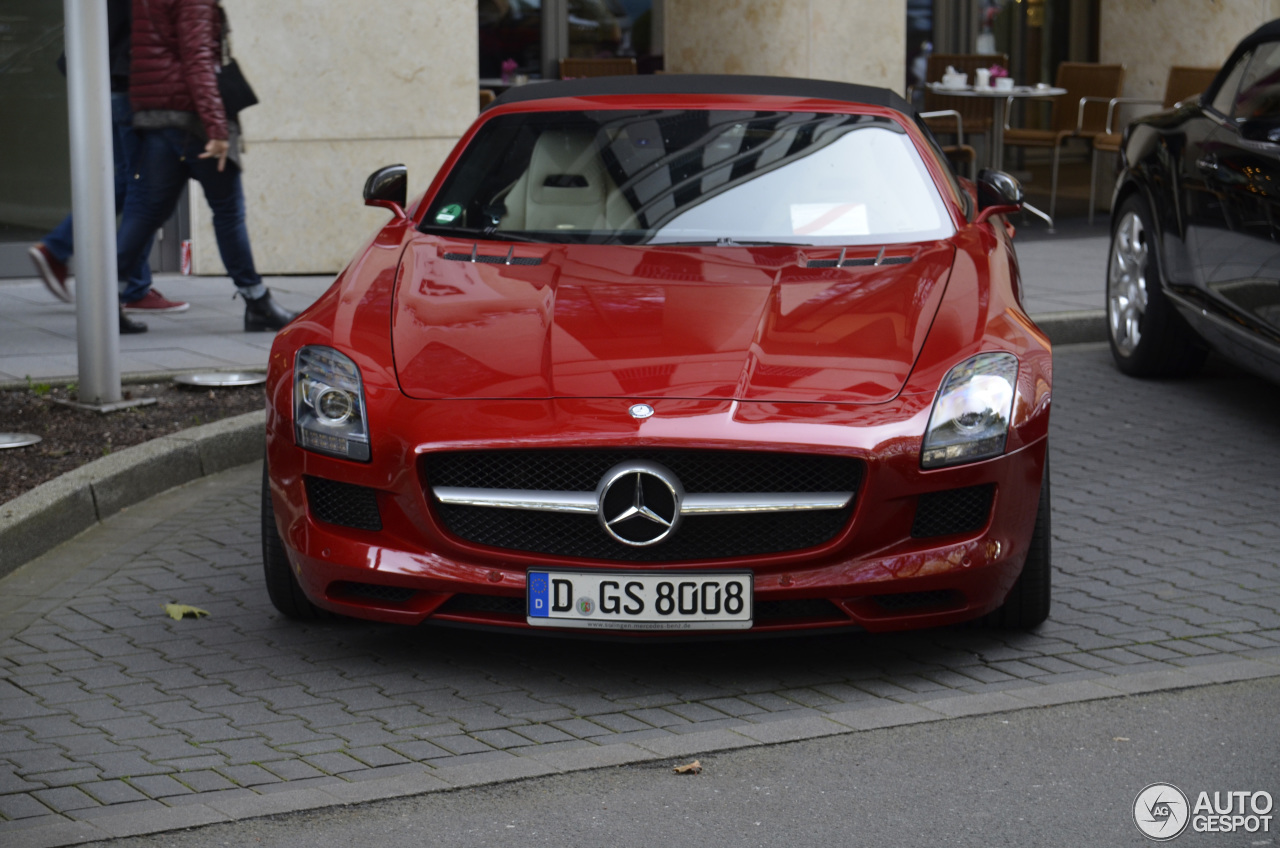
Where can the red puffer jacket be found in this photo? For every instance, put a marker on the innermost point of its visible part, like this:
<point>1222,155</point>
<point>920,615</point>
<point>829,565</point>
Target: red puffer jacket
<point>176,56</point>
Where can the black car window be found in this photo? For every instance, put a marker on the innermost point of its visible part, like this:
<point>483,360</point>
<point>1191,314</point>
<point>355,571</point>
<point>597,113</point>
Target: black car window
<point>1226,96</point>
<point>1259,94</point>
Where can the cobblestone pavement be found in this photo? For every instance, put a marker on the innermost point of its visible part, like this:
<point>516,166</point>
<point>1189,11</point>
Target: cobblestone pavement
<point>116,720</point>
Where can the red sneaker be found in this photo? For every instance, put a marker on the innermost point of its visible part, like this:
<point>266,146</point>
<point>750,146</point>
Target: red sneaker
<point>53,272</point>
<point>155,303</point>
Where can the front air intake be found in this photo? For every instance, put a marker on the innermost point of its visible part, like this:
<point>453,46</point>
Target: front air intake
<point>343,504</point>
<point>953,511</point>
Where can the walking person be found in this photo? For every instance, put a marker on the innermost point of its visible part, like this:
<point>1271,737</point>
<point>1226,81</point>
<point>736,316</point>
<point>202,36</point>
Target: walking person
<point>185,133</point>
<point>51,254</point>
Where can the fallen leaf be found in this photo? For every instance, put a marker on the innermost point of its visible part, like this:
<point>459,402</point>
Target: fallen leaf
<point>1119,738</point>
<point>180,611</point>
<point>694,767</point>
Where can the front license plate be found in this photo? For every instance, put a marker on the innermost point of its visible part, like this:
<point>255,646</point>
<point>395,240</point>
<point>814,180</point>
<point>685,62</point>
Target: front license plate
<point>648,601</point>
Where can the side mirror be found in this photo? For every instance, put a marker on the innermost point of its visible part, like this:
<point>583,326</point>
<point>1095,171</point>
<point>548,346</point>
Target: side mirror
<point>1261,129</point>
<point>998,194</point>
<point>388,187</point>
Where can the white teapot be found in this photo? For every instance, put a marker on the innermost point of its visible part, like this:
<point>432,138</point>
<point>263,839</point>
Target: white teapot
<point>952,78</point>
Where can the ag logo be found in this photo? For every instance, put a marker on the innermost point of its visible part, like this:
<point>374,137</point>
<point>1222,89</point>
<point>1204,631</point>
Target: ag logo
<point>1160,811</point>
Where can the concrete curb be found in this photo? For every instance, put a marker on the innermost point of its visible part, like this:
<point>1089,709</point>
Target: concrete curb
<point>55,511</point>
<point>1066,328</point>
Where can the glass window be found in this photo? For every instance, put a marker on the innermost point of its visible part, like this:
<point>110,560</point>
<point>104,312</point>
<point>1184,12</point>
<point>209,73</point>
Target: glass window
<point>1259,95</point>
<point>35,181</point>
<point>510,33</point>
<point>702,175</point>
<point>515,34</point>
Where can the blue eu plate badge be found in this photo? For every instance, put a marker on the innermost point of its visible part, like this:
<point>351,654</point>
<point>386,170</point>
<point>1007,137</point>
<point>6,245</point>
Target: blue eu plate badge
<point>539,603</point>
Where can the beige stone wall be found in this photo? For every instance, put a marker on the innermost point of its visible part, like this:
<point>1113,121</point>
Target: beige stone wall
<point>860,41</point>
<point>1151,36</point>
<point>345,87</point>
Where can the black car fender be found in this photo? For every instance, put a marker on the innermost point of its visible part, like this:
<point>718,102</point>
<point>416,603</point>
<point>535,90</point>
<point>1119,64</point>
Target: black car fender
<point>1149,167</point>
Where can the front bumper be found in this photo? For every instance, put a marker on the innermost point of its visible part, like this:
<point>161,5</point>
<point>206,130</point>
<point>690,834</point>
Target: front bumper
<point>873,574</point>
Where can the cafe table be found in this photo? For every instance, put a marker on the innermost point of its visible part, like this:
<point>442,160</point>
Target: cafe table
<point>1001,101</point>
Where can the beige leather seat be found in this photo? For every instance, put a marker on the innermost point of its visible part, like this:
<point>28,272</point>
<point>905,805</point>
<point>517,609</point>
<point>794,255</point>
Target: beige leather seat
<point>565,188</point>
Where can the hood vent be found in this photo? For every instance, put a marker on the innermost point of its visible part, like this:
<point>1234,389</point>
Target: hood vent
<point>880,259</point>
<point>487,259</point>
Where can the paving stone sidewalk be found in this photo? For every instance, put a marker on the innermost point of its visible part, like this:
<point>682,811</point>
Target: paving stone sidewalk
<point>116,720</point>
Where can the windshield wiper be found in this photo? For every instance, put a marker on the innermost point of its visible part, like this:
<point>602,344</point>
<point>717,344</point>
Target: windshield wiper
<point>486,234</point>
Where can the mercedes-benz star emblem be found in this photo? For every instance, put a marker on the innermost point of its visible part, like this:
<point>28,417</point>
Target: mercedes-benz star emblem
<point>639,502</point>
<point>641,410</point>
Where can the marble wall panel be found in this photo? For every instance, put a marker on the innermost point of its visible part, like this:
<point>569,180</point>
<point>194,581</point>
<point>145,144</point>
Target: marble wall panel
<point>862,41</point>
<point>1150,37</point>
<point>737,37</point>
<point>336,69</point>
<point>305,210</point>
<point>344,88</point>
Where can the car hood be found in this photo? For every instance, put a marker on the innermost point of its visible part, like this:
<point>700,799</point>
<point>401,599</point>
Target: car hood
<point>762,324</point>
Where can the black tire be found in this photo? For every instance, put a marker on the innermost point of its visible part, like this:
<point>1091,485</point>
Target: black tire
<point>282,587</point>
<point>1028,602</point>
<point>1147,335</point>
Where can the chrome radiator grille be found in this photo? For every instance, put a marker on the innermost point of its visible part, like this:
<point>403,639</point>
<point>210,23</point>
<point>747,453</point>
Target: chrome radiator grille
<point>737,503</point>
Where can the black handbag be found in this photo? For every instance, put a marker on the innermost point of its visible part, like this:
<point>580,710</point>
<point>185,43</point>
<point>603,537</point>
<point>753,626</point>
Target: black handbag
<point>237,94</point>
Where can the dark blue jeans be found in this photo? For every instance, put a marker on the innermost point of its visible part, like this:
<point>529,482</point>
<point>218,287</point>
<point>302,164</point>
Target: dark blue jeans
<point>166,160</point>
<point>61,240</point>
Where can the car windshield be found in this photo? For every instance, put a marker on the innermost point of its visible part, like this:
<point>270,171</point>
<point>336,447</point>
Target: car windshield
<point>691,176</point>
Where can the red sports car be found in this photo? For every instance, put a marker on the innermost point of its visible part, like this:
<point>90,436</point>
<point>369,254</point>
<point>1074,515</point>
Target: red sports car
<point>674,354</point>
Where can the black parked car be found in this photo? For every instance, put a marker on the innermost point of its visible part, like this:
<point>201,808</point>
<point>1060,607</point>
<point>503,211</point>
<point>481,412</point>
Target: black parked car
<point>1195,238</point>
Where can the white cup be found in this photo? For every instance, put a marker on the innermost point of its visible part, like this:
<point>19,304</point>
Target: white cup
<point>982,78</point>
<point>1004,83</point>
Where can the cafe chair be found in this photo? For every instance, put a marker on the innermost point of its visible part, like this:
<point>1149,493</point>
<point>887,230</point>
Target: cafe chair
<point>1080,113</point>
<point>975,112</point>
<point>576,68</point>
<point>1183,83</point>
<point>951,122</point>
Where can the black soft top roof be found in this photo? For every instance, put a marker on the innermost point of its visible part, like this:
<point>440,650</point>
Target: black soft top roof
<point>731,84</point>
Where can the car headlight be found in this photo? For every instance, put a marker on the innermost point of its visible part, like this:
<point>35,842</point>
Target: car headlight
<point>970,418</point>
<point>328,404</point>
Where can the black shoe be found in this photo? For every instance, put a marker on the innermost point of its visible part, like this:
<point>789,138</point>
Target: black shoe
<point>265,314</point>
<point>130,327</point>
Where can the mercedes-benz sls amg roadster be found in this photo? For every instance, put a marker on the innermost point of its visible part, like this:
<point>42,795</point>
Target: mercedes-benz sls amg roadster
<point>670,354</point>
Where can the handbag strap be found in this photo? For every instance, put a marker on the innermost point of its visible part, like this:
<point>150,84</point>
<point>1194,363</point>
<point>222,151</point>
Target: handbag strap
<point>226,35</point>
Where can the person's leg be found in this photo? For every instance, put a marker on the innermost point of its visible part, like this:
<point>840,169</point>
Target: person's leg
<point>223,191</point>
<point>60,241</point>
<point>137,281</point>
<point>152,193</point>
<point>50,258</point>
<point>225,196</point>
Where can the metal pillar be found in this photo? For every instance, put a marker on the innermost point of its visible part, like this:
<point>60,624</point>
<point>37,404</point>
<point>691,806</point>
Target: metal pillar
<point>93,200</point>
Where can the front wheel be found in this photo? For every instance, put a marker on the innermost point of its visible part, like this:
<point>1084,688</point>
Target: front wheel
<point>1028,602</point>
<point>1148,337</point>
<point>282,587</point>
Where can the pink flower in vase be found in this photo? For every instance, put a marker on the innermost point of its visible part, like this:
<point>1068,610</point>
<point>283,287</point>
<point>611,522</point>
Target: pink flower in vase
<point>508,69</point>
<point>998,71</point>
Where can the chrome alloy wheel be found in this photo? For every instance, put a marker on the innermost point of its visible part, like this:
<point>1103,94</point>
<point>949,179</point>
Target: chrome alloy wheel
<point>1127,283</point>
